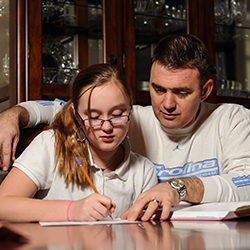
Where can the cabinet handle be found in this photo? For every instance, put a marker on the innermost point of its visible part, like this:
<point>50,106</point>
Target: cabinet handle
<point>213,69</point>
<point>112,59</point>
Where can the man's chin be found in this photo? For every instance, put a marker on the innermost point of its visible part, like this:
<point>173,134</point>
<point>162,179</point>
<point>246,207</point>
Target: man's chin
<point>169,124</point>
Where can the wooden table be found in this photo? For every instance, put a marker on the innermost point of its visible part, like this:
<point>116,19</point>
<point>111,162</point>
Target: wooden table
<point>147,236</point>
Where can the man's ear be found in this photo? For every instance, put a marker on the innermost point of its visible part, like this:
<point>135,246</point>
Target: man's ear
<point>207,89</point>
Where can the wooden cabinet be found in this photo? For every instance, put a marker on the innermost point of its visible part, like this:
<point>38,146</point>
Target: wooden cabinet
<point>118,38</point>
<point>118,32</point>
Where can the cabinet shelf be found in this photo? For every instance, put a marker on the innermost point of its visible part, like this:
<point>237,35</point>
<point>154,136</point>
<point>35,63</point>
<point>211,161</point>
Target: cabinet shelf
<point>95,29</point>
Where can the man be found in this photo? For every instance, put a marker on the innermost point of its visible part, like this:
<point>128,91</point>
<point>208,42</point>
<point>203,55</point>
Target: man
<point>201,150</point>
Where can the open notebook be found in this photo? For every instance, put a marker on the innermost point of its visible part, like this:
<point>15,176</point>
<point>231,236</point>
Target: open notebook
<point>211,211</point>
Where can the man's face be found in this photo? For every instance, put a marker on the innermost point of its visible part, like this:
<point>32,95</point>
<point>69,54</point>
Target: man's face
<point>175,95</point>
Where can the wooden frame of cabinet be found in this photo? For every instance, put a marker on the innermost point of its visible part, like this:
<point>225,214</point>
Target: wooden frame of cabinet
<point>9,91</point>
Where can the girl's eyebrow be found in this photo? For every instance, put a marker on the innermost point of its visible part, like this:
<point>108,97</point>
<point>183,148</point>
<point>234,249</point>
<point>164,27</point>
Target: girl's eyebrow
<point>119,106</point>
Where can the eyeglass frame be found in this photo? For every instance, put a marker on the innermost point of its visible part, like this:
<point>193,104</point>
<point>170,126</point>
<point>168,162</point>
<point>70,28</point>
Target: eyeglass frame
<point>106,120</point>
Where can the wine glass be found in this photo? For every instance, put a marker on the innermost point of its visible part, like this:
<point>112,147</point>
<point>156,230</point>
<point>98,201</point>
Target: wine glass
<point>239,10</point>
<point>141,6</point>
<point>155,6</point>
<point>222,12</point>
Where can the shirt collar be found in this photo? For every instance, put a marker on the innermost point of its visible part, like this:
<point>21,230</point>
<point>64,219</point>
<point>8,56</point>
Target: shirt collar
<point>122,170</point>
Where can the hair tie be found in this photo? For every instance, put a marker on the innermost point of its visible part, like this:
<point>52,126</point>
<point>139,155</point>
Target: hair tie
<point>80,133</point>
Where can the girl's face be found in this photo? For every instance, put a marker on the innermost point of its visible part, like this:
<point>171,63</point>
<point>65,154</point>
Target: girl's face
<point>106,101</point>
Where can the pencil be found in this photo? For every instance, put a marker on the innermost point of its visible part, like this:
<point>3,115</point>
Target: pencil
<point>79,163</point>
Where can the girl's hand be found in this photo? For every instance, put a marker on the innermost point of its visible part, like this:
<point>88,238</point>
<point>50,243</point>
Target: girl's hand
<point>92,208</point>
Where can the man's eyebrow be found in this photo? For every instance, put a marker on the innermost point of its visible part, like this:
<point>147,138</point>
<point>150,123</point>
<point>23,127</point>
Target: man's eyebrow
<point>186,89</point>
<point>157,86</point>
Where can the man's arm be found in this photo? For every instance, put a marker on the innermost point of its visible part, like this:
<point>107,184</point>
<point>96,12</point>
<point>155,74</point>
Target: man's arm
<point>25,114</point>
<point>167,196</point>
<point>10,121</point>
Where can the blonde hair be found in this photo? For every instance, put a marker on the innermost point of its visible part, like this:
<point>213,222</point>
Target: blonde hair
<point>65,124</point>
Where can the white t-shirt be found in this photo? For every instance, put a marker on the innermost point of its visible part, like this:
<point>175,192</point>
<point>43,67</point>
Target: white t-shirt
<point>135,175</point>
<point>216,148</point>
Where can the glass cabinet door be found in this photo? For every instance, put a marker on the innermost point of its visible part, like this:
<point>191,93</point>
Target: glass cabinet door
<point>154,20</point>
<point>4,55</point>
<point>71,38</point>
<point>232,35</point>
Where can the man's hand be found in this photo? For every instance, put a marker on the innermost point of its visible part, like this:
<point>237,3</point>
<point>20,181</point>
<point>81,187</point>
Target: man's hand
<point>163,192</point>
<point>167,197</point>
<point>10,120</point>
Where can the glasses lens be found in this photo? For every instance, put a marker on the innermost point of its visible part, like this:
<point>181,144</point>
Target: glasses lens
<point>119,120</point>
<point>93,123</point>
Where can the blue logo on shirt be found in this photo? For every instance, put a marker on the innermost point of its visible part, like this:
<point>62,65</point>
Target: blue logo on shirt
<point>241,181</point>
<point>51,103</point>
<point>198,169</point>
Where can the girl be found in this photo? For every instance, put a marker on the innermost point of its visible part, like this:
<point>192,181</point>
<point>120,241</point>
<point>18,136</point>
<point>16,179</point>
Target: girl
<point>92,126</point>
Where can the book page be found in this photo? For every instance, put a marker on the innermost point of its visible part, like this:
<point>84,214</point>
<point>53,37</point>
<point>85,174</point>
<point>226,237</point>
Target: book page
<point>216,206</point>
<point>210,211</point>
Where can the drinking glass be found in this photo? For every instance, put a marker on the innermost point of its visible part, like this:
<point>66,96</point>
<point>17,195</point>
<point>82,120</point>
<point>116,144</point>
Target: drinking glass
<point>239,10</point>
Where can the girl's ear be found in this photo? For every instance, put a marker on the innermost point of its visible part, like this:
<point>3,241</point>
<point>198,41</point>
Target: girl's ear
<point>75,114</point>
<point>207,89</point>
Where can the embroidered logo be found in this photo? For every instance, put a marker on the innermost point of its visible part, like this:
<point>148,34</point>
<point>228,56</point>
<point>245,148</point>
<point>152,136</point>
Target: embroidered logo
<point>198,169</point>
<point>241,181</point>
<point>177,147</point>
<point>51,103</point>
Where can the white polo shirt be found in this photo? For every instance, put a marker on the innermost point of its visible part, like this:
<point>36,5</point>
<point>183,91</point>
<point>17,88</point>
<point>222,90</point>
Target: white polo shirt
<point>135,175</point>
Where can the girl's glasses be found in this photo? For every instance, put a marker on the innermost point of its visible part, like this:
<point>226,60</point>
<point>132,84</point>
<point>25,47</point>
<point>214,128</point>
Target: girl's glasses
<point>97,123</point>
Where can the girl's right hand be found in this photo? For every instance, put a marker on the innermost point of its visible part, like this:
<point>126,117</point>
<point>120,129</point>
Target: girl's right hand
<point>92,208</point>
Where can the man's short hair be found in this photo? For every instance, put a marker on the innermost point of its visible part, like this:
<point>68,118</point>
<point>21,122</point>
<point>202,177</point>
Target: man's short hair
<point>182,51</point>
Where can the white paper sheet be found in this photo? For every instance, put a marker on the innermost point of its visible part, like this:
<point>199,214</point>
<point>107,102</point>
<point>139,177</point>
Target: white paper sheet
<point>106,221</point>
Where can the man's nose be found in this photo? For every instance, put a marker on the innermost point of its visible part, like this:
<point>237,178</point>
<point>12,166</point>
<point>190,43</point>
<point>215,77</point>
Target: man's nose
<point>169,102</point>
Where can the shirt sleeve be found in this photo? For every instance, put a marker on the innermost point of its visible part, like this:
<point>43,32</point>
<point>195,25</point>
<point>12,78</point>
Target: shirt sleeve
<point>233,182</point>
<point>38,160</point>
<point>42,111</point>
<point>150,175</point>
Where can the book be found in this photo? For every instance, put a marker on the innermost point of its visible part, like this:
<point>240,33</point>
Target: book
<point>210,211</point>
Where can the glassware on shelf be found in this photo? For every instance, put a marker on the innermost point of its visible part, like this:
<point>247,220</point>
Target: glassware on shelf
<point>4,4</point>
<point>231,88</point>
<point>239,11</point>
<point>175,12</point>
<point>59,76</point>
<point>94,13</point>
<point>228,11</point>
<point>68,17</point>
<point>52,11</point>
<point>58,64</point>
<point>49,75</point>
<point>66,76</point>
<point>155,6</point>
<point>58,12</point>
<point>5,62</point>
<point>222,12</point>
<point>141,6</point>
